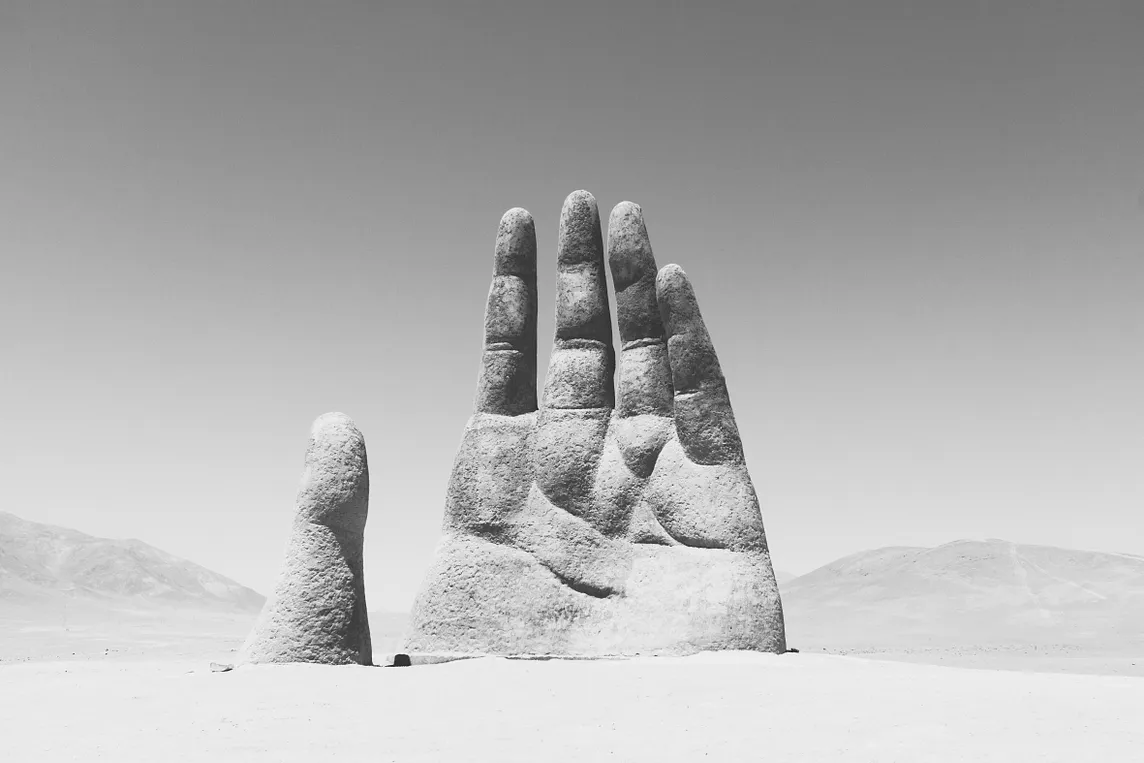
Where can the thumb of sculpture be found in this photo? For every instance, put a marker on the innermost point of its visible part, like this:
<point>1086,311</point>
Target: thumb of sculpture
<point>317,612</point>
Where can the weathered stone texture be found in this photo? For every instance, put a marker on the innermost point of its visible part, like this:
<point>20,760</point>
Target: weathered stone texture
<point>507,384</point>
<point>317,612</point>
<point>595,526</point>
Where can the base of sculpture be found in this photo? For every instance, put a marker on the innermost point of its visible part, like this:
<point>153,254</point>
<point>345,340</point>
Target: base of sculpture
<point>318,610</point>
<point>483,598</point>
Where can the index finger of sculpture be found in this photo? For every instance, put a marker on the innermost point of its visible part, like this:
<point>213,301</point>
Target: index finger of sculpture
<point>645,377</point>
<point>703,417</point>
<point>507,383</point>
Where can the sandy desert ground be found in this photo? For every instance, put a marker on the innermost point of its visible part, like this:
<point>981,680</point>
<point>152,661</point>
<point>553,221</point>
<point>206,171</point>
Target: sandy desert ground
<point>140,687</point>
<point>723,707</point>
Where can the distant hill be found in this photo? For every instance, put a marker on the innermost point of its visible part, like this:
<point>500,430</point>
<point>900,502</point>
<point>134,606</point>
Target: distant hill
<point>46,565</point>
<point>964,595</point>
<point>969,593</point>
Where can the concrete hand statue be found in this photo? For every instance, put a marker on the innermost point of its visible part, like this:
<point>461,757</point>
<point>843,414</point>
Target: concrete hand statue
<point>604,521</point>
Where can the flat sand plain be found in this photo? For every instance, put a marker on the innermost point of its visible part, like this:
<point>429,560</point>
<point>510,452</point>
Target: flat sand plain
<point>720,707</point>
<point>139,687</point>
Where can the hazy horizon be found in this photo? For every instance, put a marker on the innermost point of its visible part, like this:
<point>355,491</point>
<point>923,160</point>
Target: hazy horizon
<point>916,232</point>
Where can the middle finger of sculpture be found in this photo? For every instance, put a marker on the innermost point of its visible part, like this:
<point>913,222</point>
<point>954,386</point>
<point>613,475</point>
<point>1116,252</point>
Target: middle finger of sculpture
<point>598,523</point>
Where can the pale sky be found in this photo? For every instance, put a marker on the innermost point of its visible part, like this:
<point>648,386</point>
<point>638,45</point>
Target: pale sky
<point>916,230</point>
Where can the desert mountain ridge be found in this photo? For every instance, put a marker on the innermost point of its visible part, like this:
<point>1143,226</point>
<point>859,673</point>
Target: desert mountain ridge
<point>970,593</point>
<point>45,564</point>
<point>967,593</point>
<point>1049,575</point>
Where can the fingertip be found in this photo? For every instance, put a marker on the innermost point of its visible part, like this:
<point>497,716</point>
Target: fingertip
<point>579,198</point>
<point>516,244</point>
<point>335,484</point>
<point>515,219</point>
<point>335,426</point>
<point>625,211</point>
<point>580,206</point>
<point>516,213</point>
<point>332,419</point>
<point>629,248</point>
<point>669,279</point>
<point>580,240</point>
<point>677,304</point>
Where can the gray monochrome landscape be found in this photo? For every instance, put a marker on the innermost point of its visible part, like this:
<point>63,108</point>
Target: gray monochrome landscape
<point>415,382</point>
<point>587,528</point>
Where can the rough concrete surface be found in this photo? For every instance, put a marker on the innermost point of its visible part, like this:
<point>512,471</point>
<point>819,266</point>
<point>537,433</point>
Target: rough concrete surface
<point>602,521</point>
<point>317,612</point>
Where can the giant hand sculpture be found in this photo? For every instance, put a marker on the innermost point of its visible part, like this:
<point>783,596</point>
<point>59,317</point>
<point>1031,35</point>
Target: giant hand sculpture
<point>594,526</point>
